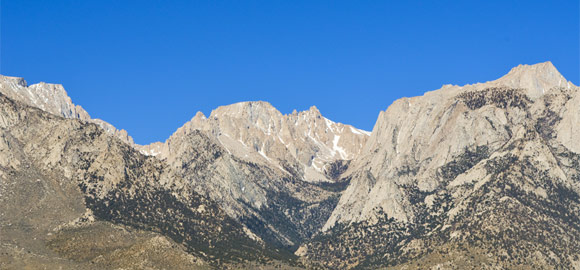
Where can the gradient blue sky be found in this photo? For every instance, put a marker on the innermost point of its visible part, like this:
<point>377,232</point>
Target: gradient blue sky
<point>149,66</point>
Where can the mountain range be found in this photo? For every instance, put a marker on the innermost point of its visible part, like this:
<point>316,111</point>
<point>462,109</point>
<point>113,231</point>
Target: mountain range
<point>481,176</point>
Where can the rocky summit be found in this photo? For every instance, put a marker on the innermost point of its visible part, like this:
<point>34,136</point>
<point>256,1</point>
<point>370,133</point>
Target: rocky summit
<point>481,176</point>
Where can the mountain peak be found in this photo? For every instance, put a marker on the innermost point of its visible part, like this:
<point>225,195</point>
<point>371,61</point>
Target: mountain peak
<point>545,70</point>
<point>199,114</point>
<point>246,109</point>
<point>53,99</point>
<point>314,111</point>
<point>538,78</point>
<point>544,66</point>
<point>17,81</point>
<point>258,103</point>
<point>198,118</point>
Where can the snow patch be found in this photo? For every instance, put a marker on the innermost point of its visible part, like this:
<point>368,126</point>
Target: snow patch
<point>262,152</point>
<point>359,131</point>
<point>229,152</point>
<point>337,148</point>
<point>315,167</point>
<point>151,152</point>
<point>329,124</point>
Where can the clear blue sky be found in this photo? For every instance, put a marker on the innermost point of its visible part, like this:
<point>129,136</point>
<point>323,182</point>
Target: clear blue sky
<point>149,66</point>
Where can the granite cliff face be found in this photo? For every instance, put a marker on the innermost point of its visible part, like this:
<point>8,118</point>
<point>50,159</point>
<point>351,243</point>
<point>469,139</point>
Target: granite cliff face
<point>415,137</point>
<point>274,173</point>
<point>479,176</point>
<point>482,176</point>
<point>303,144</point>
<point>53,98</point>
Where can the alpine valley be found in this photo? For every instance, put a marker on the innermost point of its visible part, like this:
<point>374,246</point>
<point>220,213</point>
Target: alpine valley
<point>481,176</point>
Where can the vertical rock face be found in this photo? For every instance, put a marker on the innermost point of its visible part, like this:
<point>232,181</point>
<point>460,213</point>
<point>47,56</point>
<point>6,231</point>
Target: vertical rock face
<point>568,127</point>
<point>479,171</point>
<point>416,136</point>
<point>53,98</point>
